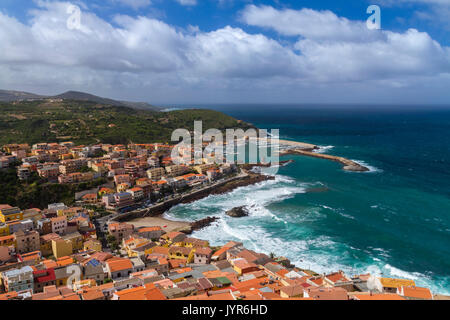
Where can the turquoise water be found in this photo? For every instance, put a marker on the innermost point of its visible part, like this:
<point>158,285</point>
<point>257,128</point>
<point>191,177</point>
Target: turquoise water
<point>392,221</point>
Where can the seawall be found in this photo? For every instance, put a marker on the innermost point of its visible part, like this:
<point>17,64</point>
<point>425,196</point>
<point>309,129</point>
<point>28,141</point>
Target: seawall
<point>349,165</point>
<point>241,180</point>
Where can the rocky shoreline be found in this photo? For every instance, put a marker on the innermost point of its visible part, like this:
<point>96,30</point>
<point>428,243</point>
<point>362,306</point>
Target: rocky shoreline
<point>158,210</point>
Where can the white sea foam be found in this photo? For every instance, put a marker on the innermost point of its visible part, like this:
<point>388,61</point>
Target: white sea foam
<point>339,212</point>
<point>393,271</point>
<point>372,169</point>
<point>323,149</point>
<point>292,237</point>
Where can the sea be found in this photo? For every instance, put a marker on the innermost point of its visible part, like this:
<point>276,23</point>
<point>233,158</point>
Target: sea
<point>393,221</point>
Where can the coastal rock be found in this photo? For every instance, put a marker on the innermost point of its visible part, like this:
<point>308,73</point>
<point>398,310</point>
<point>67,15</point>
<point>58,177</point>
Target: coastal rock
<point>356,168</point>
<point>203,223</point>
<point>238,212</point>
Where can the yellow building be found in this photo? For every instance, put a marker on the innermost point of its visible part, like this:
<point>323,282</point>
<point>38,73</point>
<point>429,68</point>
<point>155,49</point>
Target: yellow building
<point>181,253</point>
<point>104,191</point>
<point>92,244</point>
<point>70,212</point>
<point>8,213</point>
<point>7,241</point>
<point>46,243</point>
<point>99,167</point>
<point>76,239</point>
<point>193,243</point>
<point>391,284</point>
<point>203,168</point>
<point>136,246</point>
<point>66,156</point>
<point>61,248</point>
<point>123,187</point>
<point>4,229</point>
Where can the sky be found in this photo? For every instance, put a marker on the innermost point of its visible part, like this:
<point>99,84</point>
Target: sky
<point>229,51</point>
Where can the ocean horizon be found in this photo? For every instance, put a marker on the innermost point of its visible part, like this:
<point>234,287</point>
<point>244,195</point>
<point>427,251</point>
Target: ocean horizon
<point>392,221</point>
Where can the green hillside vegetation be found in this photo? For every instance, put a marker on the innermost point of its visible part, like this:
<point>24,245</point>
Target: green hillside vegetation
<point>36,192</point>
<point>85,122</point>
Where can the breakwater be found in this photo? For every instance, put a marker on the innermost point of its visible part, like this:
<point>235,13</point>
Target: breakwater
<point>348,165</point>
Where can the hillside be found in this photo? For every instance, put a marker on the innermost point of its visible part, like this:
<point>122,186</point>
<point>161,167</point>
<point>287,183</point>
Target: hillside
<point>87,122</point>
<point>11,96</point>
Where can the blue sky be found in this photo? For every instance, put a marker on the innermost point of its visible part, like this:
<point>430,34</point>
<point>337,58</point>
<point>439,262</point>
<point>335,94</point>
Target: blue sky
<point>223,51</point>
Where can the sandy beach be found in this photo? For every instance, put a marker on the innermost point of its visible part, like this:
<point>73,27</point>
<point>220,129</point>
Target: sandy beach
<point>301,145</point>
<point>165,224</point>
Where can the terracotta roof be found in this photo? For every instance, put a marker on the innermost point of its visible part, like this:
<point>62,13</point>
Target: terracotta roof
<point>58,219</point>
<point>337,277</point>
<point>292,291</point>
<point>379,296</point>
<point>64,261</point>
<point>243,263</point>
<point>132,294</point>
<point>118,264</point>
<point>396,283</point>
<point>90,196</point>
<point>221,296</point>
<point>416,292</point>
<point>149,229</point>
<point>92,294</point>
<point>161,250</point>
<point>50,237</point>
<point>176,263</point>
<point>155,294</point>
<point>220,251</point>
<point>249,284</point>
<point>185,251</point>
<point>101,256</point>
<point>203,251</point>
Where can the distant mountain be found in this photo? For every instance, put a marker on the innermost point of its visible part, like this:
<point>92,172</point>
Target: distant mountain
<point>10,96</point>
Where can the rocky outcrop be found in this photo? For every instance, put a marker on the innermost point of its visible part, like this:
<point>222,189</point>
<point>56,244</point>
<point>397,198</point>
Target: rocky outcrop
<point>238,212</point>
<point>203,223</point>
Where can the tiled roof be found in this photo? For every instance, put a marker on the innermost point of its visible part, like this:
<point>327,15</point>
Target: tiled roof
<point>396,283</point>
<point>119,264</point>
<point>379,296</point>
<point>416,292</point>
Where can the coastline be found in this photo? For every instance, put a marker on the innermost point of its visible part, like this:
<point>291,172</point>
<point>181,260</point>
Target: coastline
<point>153,216</point>
<point>184,226</point>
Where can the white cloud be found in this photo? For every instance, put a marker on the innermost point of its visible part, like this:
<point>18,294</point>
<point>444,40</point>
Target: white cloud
<point>144,58</point>
<point>334,48</point>
<point>311,24</point>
